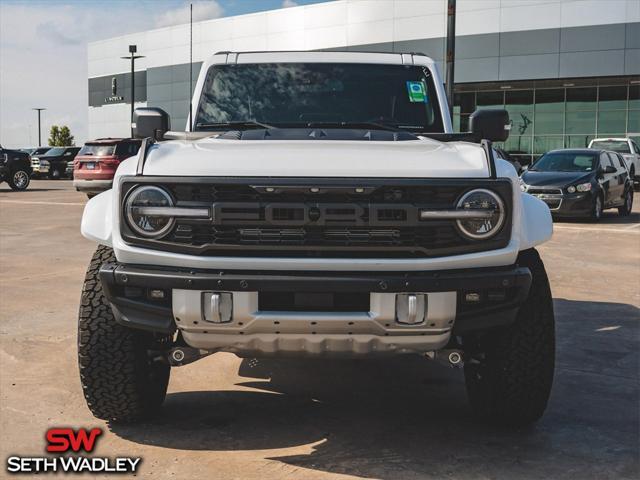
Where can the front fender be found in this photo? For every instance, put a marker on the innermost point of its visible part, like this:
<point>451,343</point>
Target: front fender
<point>96,219</point>
<point>536,223</point>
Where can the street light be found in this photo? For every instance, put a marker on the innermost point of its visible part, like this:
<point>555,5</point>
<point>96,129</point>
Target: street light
<point>132,51</point>
<point>39,131</point>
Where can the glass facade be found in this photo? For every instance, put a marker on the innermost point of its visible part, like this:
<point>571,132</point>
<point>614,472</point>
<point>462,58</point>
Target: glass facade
<point>549,115</point>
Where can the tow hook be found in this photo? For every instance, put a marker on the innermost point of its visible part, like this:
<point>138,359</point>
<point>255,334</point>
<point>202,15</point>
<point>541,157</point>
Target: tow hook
<point>179,356</point>
<point>449,358</point>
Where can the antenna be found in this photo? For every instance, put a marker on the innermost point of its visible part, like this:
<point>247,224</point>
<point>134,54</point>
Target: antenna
<point>190,66</point>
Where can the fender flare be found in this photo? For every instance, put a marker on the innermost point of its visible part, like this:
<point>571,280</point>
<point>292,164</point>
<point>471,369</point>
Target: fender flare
<point>96,219</point>
<point>536,222</point>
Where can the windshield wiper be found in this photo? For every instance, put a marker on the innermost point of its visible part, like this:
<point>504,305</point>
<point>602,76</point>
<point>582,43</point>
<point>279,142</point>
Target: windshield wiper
<point>234,125</point>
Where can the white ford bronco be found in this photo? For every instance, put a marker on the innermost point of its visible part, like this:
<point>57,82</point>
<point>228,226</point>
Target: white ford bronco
<point>317,204</point>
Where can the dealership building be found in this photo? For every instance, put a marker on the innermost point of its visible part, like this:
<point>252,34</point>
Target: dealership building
<point>566,70</point>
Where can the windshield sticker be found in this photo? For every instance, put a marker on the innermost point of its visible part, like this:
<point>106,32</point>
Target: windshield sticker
<point>417,92</point>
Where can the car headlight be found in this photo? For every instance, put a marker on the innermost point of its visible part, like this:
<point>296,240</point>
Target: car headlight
<point>583,187</point>
<point>491,208</point>
<point>571,189</point>
<point>144,211</point>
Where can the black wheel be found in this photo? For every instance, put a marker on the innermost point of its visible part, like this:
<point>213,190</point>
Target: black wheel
<point>121,379</point>
<point>596,209</point>
<point>625,210</point>
<point>19,180</point>
<point>509,370</point>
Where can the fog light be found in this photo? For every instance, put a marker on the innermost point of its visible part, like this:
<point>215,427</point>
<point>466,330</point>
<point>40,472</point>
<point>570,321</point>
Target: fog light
<point>156,294</point>
<point>411,308</point>
<point>472,297</point>
<point>217,307</point>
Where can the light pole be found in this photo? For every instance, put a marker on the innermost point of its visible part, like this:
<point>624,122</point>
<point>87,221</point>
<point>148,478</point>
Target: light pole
<point>451,50</point>
<point>39,130</point>
<point>132,56</point>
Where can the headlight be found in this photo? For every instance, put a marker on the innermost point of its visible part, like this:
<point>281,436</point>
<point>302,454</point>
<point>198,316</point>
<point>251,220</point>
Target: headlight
<point>571,189</point>
<point>583,187</point>
<point>486,202</point>
<point>139,211</point>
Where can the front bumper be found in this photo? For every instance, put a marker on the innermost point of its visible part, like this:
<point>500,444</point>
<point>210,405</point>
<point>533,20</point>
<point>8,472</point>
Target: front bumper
<point>577,204</point>
<point>255,328</point>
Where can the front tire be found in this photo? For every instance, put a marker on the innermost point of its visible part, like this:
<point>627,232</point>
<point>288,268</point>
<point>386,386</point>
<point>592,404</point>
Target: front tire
<point>19,180</point>
<point>509,372</point>
<point>121,380</point>
<point>625,210</point>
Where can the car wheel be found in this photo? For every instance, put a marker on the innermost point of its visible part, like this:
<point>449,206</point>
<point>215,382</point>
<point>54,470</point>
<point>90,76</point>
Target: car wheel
<point>19,180</point>
<point>122,378</point>
<point>625,209</point>
<point>509,370</point>
<point>596,210</point>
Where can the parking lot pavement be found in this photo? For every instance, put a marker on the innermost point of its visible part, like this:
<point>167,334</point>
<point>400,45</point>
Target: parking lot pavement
<point>402,418</point>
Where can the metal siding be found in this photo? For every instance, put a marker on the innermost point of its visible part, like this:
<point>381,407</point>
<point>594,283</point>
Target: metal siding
<point>530,42</point>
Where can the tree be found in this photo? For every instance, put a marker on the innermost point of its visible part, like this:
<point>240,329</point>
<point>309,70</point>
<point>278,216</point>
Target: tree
<point>60,136</point>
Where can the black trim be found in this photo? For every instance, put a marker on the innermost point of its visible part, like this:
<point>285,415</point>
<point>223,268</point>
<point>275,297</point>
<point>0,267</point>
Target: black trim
<point>488,151</point>
<point>146,314</point>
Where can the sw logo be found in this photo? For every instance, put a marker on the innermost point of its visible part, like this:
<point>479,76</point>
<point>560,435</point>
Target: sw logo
<point>71,442</point>
<point>65,439</point>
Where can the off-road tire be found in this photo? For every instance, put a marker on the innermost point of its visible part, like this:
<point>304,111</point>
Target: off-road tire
<point>121,379</point>
<point>19,179</point>
<point>509,370</point>
<point>625,209</point>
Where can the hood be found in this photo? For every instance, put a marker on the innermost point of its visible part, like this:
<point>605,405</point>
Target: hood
<point>317,158</point>
<point>554,179</point>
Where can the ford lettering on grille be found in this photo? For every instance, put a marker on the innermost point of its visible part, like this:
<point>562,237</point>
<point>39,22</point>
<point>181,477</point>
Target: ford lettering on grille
<point>254,213</point>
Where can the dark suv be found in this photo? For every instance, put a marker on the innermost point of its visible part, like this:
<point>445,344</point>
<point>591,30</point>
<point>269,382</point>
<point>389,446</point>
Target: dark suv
<point>15,168</point>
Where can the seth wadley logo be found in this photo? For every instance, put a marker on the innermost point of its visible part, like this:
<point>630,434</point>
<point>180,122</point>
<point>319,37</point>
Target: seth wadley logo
<point>64,441</point>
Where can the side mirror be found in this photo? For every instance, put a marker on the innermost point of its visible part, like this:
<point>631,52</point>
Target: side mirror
<point>150,122</point>
<point>490,124</point>
<point>609,169</point>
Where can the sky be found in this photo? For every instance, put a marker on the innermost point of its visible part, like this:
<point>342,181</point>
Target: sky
<point>43,53</point>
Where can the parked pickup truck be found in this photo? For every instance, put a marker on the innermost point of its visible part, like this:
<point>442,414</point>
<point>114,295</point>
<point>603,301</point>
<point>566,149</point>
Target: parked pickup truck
<point>15,168</point>
<point>54,162</point>
<point>626,147</point>
<point>317,205</point>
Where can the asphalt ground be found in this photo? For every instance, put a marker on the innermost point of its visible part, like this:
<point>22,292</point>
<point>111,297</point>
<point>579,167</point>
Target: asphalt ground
<point>401,418</point>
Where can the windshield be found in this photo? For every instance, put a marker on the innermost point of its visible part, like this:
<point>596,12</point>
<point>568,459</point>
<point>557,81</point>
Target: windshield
<point>54,152</point>
<point>565,162</point>
<point>620,146</point>
<point>303,94</point>
<point>41,151</point>
<point>97,150</point>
